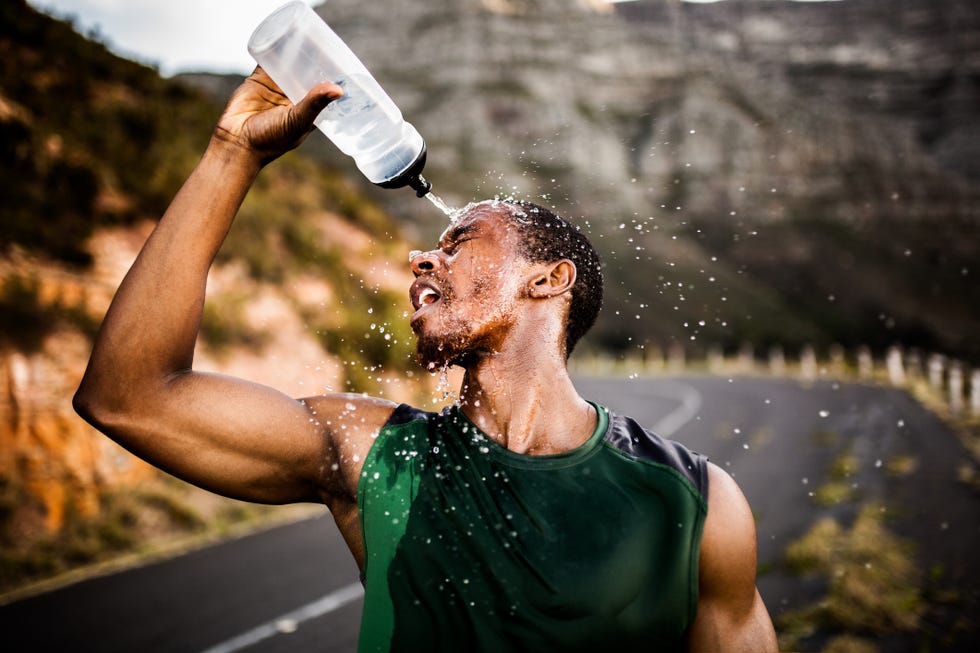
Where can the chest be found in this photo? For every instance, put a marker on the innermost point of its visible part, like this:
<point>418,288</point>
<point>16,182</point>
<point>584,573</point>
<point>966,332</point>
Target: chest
<point>596,551</point>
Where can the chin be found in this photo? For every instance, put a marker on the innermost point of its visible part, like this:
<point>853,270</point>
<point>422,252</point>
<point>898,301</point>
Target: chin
<point>433,356</point>
<point>436,353</point>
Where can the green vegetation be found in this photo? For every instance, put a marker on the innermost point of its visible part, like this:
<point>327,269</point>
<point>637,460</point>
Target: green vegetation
<point>123,520</point>
<point>223,324</point>
<point>371,342</point>
<point>95,139</point>
<point>901,465</point>
<point>276,235</point>
<point>25,319</point>
<point>118,156</point>
<point>873,583</point>
<point>839,487</point>
<point>850,644</point>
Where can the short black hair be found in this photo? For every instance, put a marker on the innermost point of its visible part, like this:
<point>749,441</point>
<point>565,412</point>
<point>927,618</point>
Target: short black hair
<point>546,237</point>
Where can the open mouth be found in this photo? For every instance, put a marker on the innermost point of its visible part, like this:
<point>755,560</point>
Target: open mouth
<point>423,294</point>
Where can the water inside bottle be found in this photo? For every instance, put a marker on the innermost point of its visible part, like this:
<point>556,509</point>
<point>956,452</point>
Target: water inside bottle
<point>439,204</point>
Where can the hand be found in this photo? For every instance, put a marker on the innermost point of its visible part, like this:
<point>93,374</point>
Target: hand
<point>260,118</point>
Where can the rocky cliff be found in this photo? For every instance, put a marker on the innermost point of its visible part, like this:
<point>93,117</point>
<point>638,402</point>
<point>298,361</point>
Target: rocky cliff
<point>755,171</point>
<point>752,171</point>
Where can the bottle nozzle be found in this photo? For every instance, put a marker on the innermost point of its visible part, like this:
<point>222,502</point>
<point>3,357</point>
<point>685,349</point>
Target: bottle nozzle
<point>420,185</point>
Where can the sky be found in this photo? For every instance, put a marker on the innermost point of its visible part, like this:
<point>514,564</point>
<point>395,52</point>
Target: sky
<point>174,35</point>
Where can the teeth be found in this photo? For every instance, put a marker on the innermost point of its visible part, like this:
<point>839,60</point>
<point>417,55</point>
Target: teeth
<point>428,296</point>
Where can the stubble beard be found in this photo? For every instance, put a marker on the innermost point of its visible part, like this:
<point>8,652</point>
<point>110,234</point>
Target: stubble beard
<point>452,346</point>
<point>435,350</point>
<point>459,341</point>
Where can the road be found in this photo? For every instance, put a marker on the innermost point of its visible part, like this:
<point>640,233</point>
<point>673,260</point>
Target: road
<point>295,587</point>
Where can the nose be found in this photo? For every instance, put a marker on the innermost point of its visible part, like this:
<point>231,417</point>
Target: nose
<point>423,262</point>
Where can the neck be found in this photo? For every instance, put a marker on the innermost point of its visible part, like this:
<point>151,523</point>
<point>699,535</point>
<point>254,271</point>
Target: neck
<point>524,399</point>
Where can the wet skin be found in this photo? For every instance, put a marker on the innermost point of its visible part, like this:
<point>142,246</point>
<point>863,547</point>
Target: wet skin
<point>477,304</point>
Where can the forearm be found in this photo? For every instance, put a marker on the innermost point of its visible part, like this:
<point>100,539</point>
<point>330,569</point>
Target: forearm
<point>151,326</point>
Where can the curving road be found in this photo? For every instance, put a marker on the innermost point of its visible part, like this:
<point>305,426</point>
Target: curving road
<point>294,588</point>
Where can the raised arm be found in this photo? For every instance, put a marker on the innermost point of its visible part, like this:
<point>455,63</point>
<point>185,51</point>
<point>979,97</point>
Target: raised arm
<point>230,436</point>
<point>731,615</point>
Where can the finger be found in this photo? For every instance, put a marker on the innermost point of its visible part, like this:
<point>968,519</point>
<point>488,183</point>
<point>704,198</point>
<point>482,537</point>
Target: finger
<point>319,96</point>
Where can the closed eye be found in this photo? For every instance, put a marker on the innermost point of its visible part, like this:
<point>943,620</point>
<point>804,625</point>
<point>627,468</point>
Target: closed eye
<point>452,239</point>
<point>454,246</point>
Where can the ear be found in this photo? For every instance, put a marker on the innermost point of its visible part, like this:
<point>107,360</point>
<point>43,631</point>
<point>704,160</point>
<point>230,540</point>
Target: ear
<point>552,279</point>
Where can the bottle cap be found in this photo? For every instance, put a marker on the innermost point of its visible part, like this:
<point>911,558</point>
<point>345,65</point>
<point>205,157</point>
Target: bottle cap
<point>411,176</point>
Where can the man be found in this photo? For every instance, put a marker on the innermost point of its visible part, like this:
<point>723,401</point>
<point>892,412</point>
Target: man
<point>525,518</point>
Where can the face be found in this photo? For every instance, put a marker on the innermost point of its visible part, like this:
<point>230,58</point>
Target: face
<point>466,290</point>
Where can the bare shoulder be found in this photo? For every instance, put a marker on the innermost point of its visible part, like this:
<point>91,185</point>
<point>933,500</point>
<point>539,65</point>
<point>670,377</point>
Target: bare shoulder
<point>729,514</point>
<point>348,410</point>
<point>728,545</point>
<point>731,615</point>
<point>350,423</point>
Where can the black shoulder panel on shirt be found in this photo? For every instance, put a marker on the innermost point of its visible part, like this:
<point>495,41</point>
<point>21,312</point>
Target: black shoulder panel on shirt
<point>634,440</point>
<point>405,414</point>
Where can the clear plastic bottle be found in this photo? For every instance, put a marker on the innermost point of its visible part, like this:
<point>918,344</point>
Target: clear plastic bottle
<point>299,50</point>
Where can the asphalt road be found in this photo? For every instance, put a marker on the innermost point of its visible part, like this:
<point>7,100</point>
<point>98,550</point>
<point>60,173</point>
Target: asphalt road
<point>294,588</point>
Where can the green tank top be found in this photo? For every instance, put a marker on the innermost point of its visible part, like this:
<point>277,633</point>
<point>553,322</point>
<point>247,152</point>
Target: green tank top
<point>470,547</point>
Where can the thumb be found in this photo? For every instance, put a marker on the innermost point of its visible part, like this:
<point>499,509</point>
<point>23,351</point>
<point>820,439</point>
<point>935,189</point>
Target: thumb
<point>319,96</point>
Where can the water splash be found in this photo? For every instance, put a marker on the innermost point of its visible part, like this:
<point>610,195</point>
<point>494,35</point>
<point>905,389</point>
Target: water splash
<point>444,387</point>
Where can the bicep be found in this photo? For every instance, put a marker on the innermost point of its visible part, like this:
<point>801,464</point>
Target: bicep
<point>232,437</point>
<point>731,614</point>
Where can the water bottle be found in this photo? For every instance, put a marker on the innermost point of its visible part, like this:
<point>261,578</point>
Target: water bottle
<point>299,50</point>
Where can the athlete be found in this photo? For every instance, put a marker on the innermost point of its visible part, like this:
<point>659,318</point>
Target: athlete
<point>525,518</point>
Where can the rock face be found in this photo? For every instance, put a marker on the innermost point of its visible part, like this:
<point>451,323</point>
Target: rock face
<point>579,89</point>
<point>46,450</point>
<point>49,454</point>
<point>56,457</point>
<point>746,142</point>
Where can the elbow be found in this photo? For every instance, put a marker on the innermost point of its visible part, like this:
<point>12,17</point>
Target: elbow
<point>85,402</point>
<point>94,404</point>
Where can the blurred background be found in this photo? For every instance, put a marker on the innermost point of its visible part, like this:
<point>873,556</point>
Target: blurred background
<point>766,180</point>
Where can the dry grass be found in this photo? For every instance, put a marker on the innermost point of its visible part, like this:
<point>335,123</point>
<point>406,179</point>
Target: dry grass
<point>162,516</point>
<point>873,583</point>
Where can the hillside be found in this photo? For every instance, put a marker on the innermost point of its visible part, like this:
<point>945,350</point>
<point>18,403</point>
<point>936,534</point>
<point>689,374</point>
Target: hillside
<point>751,171</point>
<point>754,171</point>
<point>95,147</point>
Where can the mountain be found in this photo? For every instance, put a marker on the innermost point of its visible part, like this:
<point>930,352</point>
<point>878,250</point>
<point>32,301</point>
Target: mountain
<point>753,171</point>
<point>759,172</point>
